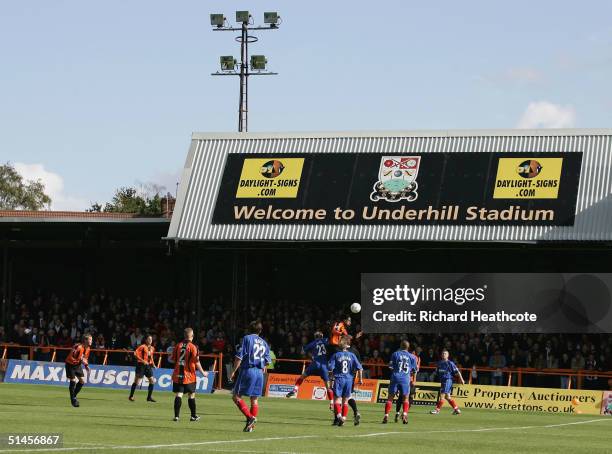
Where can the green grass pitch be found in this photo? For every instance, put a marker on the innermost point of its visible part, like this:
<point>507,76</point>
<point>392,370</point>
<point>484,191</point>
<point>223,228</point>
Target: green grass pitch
<point>107,422</point>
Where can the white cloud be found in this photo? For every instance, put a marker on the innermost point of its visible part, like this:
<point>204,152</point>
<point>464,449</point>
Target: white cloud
<point>543,114</point>
<point>54,187</point>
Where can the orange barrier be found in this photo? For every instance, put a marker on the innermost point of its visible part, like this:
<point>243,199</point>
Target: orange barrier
<point>575,377</point>
<point>217,363</point>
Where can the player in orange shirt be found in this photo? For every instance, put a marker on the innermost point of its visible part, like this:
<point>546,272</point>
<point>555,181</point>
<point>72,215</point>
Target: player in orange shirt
<point>186,360</point>
<point>78,357</point>
<point>144,367</point>
<point>338,330</point>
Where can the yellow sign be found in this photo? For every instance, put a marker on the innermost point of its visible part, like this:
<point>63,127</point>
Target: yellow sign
<point>528,399</point>
<point>425,393</point>
<point>521,178</point>
<point>511,398</point>
<point>270,178</point>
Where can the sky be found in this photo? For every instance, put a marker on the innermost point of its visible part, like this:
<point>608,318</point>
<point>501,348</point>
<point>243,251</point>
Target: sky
<point>99,95</point>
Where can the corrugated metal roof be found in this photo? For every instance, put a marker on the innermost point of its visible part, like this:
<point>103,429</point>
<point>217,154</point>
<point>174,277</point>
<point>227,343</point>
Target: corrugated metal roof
<point>205,162</point>
<point>25,216</point>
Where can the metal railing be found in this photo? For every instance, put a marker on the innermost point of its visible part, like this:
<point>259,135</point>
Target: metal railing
<point>515,376</point>
<point>511,376</point>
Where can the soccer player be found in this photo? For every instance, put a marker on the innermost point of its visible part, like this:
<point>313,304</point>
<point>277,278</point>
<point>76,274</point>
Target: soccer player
<point>404,365</point>
<point>144,367</point>
<point>78,357</point>
<point>413,380</point>
<point>446,370</point>
<point>343,365</point>
<point>352,402</point>
<point>338,330</point>
<point>250,363</point>
<point>185,357</point>
<point>318,352</point>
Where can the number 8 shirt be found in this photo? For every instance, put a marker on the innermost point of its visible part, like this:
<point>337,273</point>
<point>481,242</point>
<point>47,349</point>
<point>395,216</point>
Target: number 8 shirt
<point>344,365</point>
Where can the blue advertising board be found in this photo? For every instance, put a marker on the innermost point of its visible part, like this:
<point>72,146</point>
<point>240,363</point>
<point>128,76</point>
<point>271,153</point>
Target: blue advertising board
<point>119,377</point>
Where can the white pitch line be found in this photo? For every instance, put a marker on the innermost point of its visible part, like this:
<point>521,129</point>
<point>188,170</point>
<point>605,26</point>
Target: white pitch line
<point>172,445</point>
<point>237,451</point>
<point>301,437</point>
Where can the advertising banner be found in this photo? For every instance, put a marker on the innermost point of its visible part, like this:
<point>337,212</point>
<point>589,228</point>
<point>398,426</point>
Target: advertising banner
<point>425,393</point>
<point>528,399</point>
<point>486,302</point>
<point>278,385</point>
<point>119,377</point>
<point>313,388</point>
<point>408,187</point>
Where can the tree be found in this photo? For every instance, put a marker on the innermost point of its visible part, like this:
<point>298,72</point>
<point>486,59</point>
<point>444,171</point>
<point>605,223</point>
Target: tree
<point>17,194</point>
<point>146,202</point>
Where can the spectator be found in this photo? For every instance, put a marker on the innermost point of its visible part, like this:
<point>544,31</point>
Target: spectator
<point>135,338</point>
<point>590,381</point>
<point>169,363</point>
<point>218,344</point>
<point>205,346</point>
<point>376,371</point>
<point>497,362</point>
<point>43,353</point>
<point>565,363</point>
<point>121,322</point>
<point>577,362</point>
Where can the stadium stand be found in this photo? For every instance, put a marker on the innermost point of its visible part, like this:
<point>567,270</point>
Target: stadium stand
<point>45,320</point>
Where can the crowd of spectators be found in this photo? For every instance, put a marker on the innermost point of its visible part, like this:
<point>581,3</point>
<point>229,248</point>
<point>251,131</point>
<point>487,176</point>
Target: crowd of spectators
<point>119,323</point>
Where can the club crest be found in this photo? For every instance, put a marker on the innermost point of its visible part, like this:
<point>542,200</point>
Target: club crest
<point>397,179</point>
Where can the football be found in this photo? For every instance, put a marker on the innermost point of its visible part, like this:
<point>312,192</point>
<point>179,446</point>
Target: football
<point>355,308</point>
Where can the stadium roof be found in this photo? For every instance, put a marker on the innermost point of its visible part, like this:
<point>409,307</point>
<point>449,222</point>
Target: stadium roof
<point>23,216</point>
<point>216,164</point>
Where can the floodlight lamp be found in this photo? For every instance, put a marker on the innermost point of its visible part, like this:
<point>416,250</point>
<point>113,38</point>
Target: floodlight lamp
<point>242,17</point>
<point>217,20</point>
<point>258,62</point>
<point>272,18</point>
<point>228,63</point>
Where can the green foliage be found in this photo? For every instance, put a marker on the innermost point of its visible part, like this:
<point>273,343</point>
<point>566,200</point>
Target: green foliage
<point>129,200</point>
<point>17,194</point>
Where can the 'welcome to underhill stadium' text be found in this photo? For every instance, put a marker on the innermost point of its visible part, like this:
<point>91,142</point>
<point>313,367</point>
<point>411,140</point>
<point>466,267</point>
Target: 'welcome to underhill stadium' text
<point>448,213</point>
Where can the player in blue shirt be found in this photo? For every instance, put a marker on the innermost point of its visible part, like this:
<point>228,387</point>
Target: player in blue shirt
<point>343,365</point>
<point>250,363</point>
<point>317,349</point>
<point>446,370</point>
<point>403,364</point>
